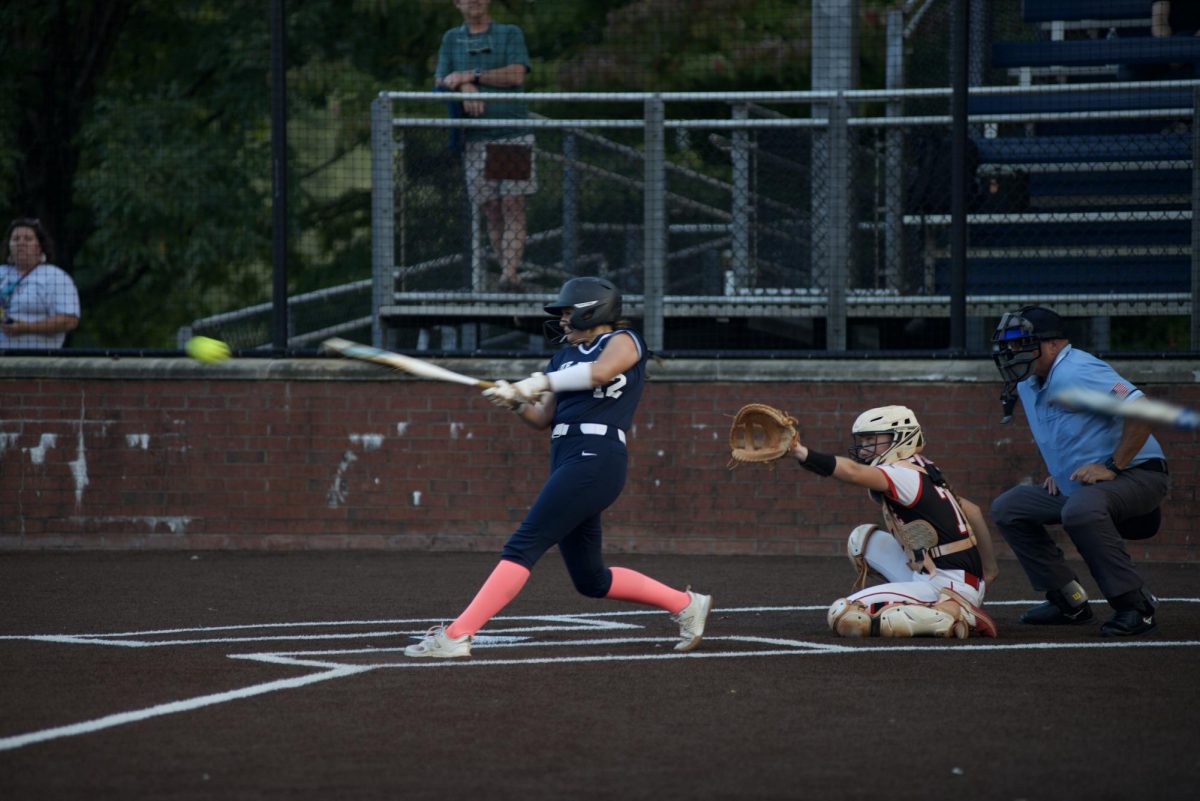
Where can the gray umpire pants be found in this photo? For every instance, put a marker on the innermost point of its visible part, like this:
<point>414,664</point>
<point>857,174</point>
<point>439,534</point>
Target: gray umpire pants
<point>1089,517</point>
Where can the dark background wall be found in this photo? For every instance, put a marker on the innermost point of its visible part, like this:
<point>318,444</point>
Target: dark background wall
<point>279,454</point>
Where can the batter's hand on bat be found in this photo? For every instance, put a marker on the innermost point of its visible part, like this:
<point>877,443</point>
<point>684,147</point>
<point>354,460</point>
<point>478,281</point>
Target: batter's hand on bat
<point>533,388</point>
<point>504,395</point>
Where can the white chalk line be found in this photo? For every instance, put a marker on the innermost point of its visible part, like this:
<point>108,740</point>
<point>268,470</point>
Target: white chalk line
<point>78,639</point>
<point>793,647</point>
<point>587,619</point>
<point>488,640</point>
<point>175,707</point>
<point>593,619</point>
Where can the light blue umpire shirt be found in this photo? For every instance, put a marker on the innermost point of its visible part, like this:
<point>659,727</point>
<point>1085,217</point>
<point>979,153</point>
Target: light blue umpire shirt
<point>1068,439</point>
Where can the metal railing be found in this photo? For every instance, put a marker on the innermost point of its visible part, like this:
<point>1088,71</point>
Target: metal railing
<point>781,217</point>
<point>822,225</point>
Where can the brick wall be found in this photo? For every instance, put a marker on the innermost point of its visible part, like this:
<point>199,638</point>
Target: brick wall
<point>167,454</point>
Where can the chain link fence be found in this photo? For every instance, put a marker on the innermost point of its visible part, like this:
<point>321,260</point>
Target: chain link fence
<point>736,219</point>
<point>776,213</point>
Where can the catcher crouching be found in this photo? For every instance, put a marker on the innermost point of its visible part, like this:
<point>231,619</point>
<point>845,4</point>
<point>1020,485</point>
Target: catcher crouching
<point>933,550</point>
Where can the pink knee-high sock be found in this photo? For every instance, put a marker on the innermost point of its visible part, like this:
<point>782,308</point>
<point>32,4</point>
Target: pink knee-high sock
<point>502,586</point>
<point>630,585</point>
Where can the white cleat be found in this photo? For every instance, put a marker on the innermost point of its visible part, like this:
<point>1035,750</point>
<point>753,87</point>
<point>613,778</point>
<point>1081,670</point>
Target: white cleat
<point>691,620</point>
<point>438,646</point>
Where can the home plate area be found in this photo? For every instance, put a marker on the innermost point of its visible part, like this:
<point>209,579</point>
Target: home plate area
<point>335,650</point>
<point>612,636</point>
<point>608,636</point>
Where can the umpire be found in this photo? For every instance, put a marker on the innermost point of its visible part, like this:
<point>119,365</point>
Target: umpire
<point>1107,479</point>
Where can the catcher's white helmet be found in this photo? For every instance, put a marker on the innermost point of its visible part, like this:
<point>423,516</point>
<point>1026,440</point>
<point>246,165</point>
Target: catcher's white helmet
<point>900,422</point>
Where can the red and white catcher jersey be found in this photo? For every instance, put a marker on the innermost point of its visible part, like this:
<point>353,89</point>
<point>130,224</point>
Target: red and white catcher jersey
<point>912,495</point>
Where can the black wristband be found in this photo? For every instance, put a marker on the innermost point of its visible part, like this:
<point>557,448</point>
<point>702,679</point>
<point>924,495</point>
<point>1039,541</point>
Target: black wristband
<point>823,464</point>
<point>1111,464</point>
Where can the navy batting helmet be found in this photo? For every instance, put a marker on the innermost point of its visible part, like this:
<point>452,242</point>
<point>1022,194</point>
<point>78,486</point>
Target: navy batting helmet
<point>595,301</point>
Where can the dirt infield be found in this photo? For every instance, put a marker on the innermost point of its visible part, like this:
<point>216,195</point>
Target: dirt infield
<point>253,675</point>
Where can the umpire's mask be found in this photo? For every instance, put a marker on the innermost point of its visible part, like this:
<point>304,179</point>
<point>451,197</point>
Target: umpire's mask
<point>1017,343</point>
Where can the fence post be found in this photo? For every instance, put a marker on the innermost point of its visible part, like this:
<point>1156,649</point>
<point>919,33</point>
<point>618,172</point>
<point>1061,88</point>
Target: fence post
<point>893,204</point>
<point>837,247</point>
<point>570,204</point>
<point>959,73</point>
<point>655,221</point>
<point>834,68</point>
<point>1195,318</point>
<point>740,202</point>
<point>280,329</point>
<point>383,215</point>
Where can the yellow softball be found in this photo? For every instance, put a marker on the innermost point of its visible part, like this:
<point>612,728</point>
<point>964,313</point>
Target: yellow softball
<point>206,349</point>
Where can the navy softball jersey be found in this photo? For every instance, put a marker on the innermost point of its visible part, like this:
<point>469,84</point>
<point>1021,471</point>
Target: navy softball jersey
<point>612,404</point>
<point>588,462</point>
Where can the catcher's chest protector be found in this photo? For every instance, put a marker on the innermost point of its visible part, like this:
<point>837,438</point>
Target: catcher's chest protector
<point>921,539</point>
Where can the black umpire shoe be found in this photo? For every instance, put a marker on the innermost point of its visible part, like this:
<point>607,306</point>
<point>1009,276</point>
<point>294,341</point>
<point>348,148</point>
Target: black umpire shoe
<point>1048,613</point>
<point>1134,614</point>
<point>1129,623</point>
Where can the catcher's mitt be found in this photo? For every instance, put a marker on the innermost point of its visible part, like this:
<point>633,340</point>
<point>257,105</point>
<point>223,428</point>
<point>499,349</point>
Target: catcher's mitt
<point>760,433</point>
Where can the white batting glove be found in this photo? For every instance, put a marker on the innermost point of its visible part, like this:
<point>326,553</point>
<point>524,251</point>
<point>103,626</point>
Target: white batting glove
<point>505,396</point>
<point>531,389</point>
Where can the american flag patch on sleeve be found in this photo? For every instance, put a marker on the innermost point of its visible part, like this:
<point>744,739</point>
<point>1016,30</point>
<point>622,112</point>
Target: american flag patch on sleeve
<point>1120,389</point>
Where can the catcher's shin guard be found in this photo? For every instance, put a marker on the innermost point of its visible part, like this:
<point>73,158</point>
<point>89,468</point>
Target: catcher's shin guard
<point>951,616</point>
<point>856,549</point>
<point>854,619</point>
<point>851,619</point>
<point>921,620</point>
<point>976,619</point>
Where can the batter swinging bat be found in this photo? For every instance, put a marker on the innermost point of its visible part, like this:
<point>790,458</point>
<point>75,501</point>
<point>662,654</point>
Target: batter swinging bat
<point>1144,409</point>
<point>408,364</point>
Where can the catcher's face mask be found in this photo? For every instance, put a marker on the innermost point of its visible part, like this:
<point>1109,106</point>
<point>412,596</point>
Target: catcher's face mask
<point>871,446</point>
<point>885,435</point>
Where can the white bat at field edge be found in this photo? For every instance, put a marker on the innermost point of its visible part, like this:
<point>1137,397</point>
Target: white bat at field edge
<point>399,361</point>
<point>1144,409</point>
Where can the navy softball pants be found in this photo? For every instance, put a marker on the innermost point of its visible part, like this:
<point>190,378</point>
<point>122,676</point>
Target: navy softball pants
<point>587,475</point>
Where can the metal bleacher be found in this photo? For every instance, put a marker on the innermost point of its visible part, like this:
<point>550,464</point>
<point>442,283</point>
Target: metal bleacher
<point>1105,169</point>
<point>1135,98</point>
